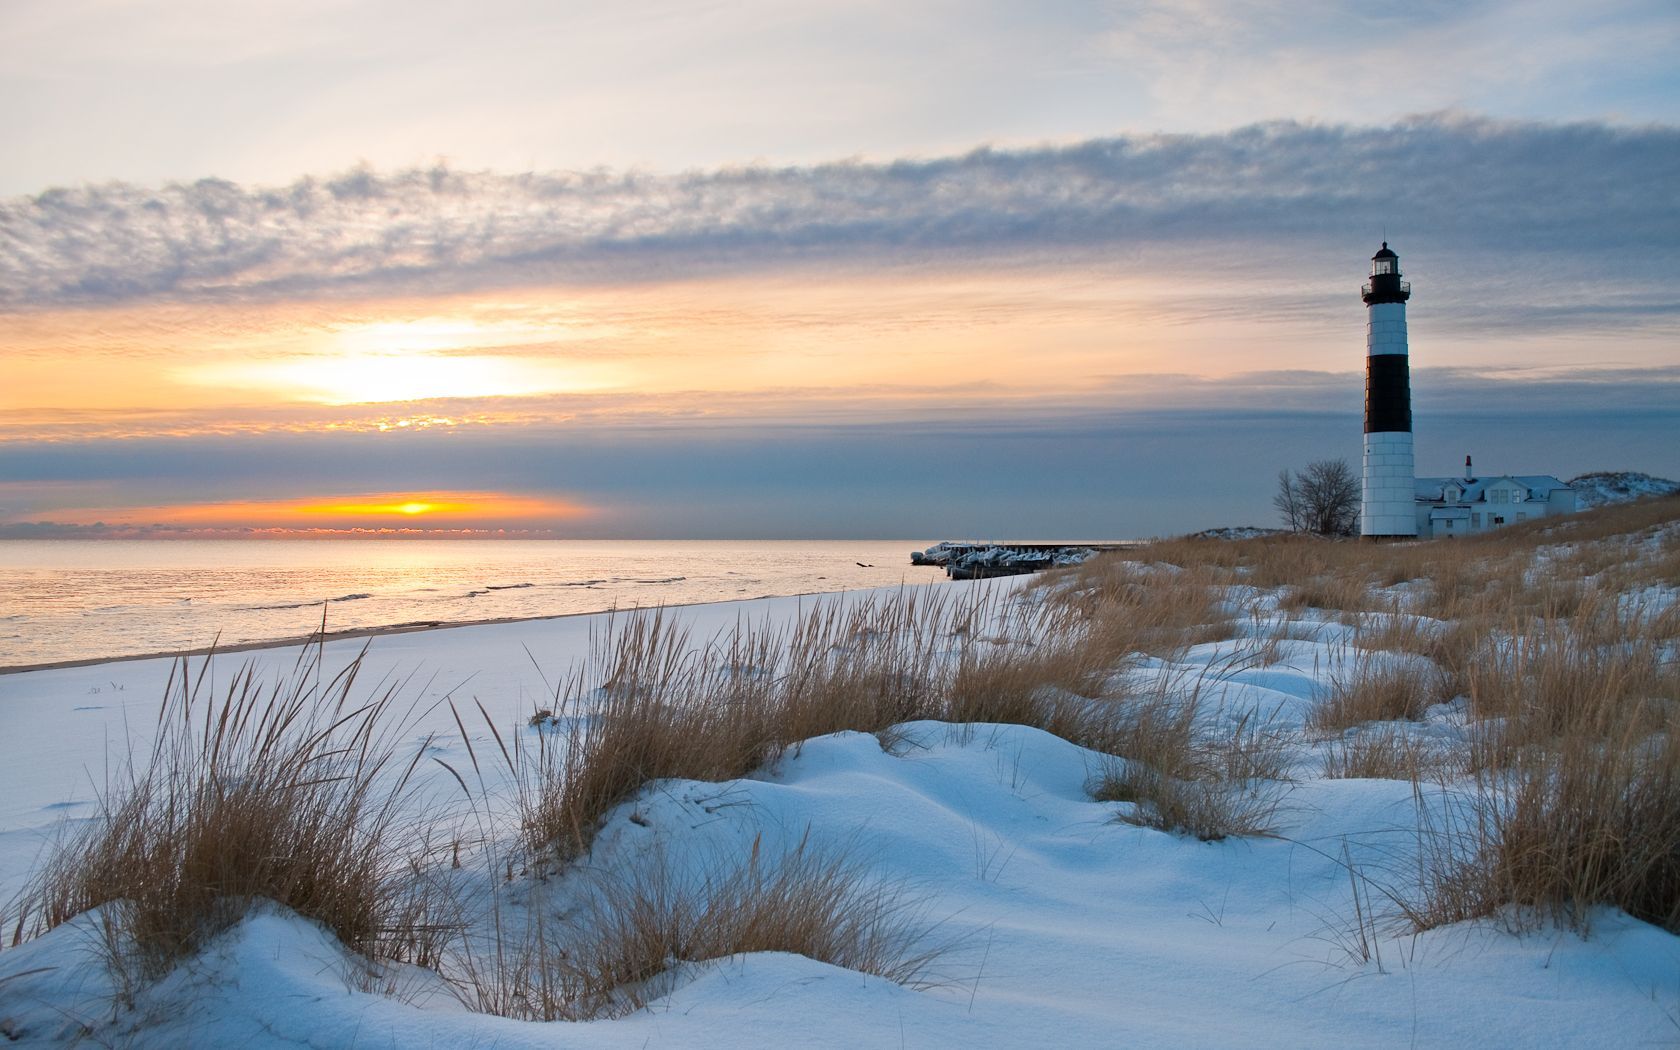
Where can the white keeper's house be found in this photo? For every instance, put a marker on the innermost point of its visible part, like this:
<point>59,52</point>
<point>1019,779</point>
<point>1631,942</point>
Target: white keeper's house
<point>1461,506</point>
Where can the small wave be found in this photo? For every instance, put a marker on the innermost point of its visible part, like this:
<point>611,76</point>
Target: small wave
<point>583,583</point>
<point>14,618</point>
<point>305,605</point>
<point>507,586</point>
<point>474,594</point>
<point>668,579</point>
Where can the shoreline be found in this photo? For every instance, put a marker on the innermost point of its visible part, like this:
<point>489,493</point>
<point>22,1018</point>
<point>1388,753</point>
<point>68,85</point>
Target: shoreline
<point>412,627</point>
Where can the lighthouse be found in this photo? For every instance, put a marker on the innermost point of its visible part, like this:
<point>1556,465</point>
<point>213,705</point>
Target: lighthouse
<point>1389,498</point>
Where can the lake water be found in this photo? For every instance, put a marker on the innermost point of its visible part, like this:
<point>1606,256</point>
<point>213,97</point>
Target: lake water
<point>64,600</point>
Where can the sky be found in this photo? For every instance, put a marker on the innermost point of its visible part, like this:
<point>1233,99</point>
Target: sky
<point>761,270</point>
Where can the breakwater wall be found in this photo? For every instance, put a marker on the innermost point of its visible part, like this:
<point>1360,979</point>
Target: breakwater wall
<point>974,561</point>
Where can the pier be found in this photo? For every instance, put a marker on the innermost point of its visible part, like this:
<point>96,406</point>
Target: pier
<point>978,561</point>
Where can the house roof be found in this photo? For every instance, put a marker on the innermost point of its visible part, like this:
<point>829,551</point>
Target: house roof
<point>1429,490</point>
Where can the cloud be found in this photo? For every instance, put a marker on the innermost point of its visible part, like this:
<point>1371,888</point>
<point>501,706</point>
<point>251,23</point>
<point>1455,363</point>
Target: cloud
<point>1575,218</point>
<point>156,89</point>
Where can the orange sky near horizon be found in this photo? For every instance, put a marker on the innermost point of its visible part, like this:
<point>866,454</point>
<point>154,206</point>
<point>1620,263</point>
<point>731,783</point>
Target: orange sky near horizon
<point>186,368</point>
<point>378,510</point>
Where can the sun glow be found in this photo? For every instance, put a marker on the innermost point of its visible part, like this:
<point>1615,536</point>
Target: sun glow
<point>484,350</point>
<point>378,377</point>
<point>432,510</point>
<point>431,505</point>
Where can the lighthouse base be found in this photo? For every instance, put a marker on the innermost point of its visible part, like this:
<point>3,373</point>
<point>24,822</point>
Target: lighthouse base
<point>1388,496</point>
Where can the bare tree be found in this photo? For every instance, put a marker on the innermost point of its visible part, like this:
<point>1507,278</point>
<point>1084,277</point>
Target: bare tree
<point>1288,502</point>
<point>1323,498</point>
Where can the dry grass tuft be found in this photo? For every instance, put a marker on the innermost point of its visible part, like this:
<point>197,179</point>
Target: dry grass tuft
<point>669,708</point>
<point>1129,608</point>
<point>637,924</point>
<point>1376,690</point>
<point>1553,681</point>
<point>1183,776</point>
<point>1345,591</point>
<point>1209,810</point>
<point>1254,752</point>
<point>662,712</point>
<point>292,794</point>
<point>812,902</point>
<point>1575,801</point>
<point>672,709</point>
<point>1595,823</point>
<point>1552,632</point>
<point>1383,754</point>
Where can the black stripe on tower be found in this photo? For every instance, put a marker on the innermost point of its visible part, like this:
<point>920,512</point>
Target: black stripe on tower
<point>1388,394</point>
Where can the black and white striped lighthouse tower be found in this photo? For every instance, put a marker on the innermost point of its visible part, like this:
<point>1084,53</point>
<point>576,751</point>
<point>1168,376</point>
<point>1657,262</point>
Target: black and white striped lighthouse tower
<point>1388,510</point>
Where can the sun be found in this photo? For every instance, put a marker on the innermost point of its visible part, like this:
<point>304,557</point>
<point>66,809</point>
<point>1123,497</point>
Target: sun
<point>413,508</point>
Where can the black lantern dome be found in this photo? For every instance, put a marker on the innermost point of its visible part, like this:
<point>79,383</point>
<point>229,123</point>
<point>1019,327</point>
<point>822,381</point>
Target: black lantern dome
<point>1385,285</point>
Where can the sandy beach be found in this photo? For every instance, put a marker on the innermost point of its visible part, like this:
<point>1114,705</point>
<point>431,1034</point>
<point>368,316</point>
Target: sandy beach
<point>79,721</point>
<point>355,633</point>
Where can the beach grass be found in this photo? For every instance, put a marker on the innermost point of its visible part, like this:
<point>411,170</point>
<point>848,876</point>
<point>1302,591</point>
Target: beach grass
<point>293,793</point>
<point>633,923</point>
<point>1542,657</point>
<point>1556,638</point>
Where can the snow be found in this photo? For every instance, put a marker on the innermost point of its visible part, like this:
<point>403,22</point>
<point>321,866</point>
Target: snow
<point>1064,924</point>
<point>1236,532</point>
<point>1608,487</point>
<point>956,555</point>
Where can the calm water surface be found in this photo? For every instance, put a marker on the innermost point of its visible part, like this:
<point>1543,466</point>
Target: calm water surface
<point>75,600</point>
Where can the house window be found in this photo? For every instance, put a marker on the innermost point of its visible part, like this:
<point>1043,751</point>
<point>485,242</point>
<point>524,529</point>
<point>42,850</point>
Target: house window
<point>1497,520</point>
<point>1499,496</point>
<point>1476,520</point>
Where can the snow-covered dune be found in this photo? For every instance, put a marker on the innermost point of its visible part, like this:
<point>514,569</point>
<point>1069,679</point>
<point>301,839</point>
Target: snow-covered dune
<point>1065,926</point>
<point>1061,924</point>
<point>1606,488</point>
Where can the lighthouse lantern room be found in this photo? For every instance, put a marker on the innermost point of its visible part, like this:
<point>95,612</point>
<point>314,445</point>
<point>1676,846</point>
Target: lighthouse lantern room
<point>1389,500</point>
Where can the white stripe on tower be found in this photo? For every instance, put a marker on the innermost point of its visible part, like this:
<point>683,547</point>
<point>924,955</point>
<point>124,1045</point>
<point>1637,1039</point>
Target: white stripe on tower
<point>1388,508</point>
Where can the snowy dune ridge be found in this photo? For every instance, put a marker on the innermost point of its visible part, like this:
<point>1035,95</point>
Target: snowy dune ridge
<point>1606,488</point>
<point>1043,890</point>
